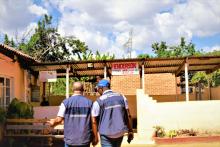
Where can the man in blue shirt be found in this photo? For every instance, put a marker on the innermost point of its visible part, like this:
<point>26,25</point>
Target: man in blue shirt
<point>111,112</point>
<point>76,113</point>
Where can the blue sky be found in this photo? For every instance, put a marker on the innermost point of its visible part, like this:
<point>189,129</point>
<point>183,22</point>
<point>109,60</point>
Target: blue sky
<point>105,25</point>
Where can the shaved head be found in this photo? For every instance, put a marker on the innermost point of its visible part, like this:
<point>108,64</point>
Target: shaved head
<point>78,86</point>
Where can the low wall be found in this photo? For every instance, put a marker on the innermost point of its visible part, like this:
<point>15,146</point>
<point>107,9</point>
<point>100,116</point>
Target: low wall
<point>215,95</point>
<point>56,101</point>
<point>46,112</point>
<point>202,115</point>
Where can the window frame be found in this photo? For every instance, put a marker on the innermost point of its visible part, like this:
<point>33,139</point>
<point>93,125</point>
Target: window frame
<point>4,101</point>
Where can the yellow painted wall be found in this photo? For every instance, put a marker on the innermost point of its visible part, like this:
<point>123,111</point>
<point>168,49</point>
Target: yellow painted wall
<point>13,70</point>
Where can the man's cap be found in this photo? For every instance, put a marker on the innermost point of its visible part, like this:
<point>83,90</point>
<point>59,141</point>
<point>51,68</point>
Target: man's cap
<point>103,83</point>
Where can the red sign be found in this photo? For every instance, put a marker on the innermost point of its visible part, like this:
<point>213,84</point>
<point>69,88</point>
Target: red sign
<point>128,68</point>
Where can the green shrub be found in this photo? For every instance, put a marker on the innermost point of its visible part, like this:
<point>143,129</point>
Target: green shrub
<point>17,109</point>
<point>172,133</point>
<point>159,131</point>
<point>2,115</point>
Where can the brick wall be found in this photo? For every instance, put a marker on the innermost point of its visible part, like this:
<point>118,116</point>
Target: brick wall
<point>160,84</point>
<point>155,84</point>
<point>125,84</point>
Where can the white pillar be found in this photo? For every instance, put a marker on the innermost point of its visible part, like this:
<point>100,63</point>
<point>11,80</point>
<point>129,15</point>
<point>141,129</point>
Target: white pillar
<point>142,77</point>
<point>105,72</point>
<point>67,81</point>
<point>186,81</point>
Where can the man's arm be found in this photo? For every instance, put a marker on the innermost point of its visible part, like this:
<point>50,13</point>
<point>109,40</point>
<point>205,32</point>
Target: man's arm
<point>95,114</point>
<point>130,130</point>
<point>54,122</point>
<point>129,121</point>
<point>95,131</point>
<point>60,116</point>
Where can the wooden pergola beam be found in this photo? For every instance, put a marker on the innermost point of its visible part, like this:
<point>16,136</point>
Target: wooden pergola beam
<point>180,68</point>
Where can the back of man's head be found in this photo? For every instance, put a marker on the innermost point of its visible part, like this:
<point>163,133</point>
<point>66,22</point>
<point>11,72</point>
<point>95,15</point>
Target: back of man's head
<point>78,87</point>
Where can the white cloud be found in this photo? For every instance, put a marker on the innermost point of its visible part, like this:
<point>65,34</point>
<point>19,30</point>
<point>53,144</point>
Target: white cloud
<point>105,25</point>
<point>37,10</point>
<point>17,17</point>
<point>212,48</point>
<point>201,17</point>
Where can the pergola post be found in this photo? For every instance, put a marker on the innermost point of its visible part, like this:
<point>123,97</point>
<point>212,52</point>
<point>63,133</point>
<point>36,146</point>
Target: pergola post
<point>67,81</point>
<point>186,81</point>
<point>142,77</point>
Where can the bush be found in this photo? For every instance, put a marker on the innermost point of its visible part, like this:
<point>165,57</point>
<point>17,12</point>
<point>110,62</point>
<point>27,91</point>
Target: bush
<point>17,109</point>
<point>2,115</point>
<point>159,131</point>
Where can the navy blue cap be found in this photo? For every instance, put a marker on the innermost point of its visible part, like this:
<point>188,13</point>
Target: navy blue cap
<point>103,83</point>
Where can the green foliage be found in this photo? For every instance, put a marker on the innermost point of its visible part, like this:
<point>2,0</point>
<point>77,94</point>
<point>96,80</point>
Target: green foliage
<point>213,78</point>
<point>2,115</point>
<point>188,49</point>
<point>88,55</point>
<point>181,50</point>
<point>59,87</point>
<point>161,50</point>
<point>46,44</point>
<point>172,133</point>
<point>144,56</point>
<point>213,53</point>
<point>17,109</point>
<point>9,42</point>
<point>99,56</point>
<point>159,131</point>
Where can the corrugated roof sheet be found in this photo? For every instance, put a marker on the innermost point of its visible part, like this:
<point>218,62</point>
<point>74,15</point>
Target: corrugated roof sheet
<point>153,65</point>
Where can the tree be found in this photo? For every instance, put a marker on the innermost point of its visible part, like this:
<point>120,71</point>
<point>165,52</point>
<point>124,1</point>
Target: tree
<point>213,53</point>
<point>212,79</point>
<point>46,44</point>
<point>88,55</point>
<point>161,50</point>
<point>184,49</point>
<point>181,50</point>
<point>8,42</point>
<point>144,56</point>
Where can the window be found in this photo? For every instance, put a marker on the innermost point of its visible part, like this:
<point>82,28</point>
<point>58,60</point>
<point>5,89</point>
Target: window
<point>5,90</point>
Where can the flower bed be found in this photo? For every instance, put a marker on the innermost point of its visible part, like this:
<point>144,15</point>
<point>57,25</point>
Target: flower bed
<point>186,139</point>
<point>183,136</point>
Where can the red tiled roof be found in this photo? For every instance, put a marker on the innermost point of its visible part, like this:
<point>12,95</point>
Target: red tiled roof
<point>13,51</point>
